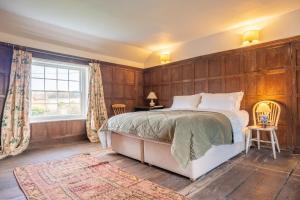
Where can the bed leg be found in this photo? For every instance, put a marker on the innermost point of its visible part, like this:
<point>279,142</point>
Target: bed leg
<point>192,179</point>
<point>142,152</point>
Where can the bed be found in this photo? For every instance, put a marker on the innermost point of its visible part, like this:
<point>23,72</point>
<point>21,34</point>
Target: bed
<point>185,152</point>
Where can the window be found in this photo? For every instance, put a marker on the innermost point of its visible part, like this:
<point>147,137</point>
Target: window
<point>58,90</point>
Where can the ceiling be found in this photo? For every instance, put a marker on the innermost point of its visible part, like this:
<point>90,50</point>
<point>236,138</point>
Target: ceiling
<point>131,29</point>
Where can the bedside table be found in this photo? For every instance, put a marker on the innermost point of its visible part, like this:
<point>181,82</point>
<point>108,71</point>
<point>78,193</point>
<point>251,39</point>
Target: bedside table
<point>147,108</point>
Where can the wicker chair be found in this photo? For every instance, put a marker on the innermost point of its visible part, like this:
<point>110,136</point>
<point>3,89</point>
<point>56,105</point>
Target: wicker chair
<point>273,117</point>
<point>119,108</point>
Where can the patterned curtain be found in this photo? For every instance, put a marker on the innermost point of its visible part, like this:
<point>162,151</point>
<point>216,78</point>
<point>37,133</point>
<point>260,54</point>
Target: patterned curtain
<point>96,114</point>
<point>15,130</point>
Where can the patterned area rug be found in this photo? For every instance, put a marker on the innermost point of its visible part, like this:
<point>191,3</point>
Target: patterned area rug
<point>85,177</point>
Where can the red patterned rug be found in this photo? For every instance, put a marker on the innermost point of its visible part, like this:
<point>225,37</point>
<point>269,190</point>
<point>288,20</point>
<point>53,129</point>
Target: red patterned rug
<point>85,177</point>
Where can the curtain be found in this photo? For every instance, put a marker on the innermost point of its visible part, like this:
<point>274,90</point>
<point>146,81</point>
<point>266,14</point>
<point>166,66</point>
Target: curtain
<point>15,128</point>
<point>96,114</point>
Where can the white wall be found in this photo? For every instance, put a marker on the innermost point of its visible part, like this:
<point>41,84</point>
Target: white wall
<point>272,29</point>
<point>5,37</point>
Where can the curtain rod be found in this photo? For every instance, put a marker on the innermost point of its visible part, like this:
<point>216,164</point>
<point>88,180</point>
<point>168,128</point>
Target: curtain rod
<point>34,50</point>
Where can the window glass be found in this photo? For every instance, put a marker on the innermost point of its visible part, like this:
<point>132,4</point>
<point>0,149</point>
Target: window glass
<point>74,75</point>
<point>50,85</point>
<point>37,84</point>
<point>74,86</point>
<point>51,97</point>
<point>63,74</point>
<point>58,90</point>
<point>38,97</point>
<point>37,71</point>
<point>50,72</point>
<point>62,85</point>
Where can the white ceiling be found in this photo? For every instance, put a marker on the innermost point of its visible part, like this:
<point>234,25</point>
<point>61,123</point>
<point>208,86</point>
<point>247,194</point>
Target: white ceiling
<point>131,28</point>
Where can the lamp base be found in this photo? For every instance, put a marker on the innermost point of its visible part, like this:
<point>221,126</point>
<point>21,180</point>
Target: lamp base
<point>152,104</point>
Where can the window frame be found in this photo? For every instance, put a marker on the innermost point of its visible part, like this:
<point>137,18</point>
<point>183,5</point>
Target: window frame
<point>84,77</point>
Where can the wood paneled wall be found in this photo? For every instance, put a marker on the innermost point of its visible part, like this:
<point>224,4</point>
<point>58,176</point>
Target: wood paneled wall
<point>57,132</point>
<point>265,71</point>
<point>296,83</point>
<point>122,84</point>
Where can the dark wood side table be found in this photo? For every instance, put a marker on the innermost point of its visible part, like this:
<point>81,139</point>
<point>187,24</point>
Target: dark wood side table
<point>147,108</point>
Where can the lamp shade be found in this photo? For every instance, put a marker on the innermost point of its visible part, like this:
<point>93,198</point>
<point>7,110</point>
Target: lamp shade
<point>251,36</point>
<point>164,57</point>
<point>263,108</point>
<point>152,95</point>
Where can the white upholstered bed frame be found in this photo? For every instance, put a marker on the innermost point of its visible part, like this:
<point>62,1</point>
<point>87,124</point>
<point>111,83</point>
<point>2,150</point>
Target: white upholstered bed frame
<point>159,154</point>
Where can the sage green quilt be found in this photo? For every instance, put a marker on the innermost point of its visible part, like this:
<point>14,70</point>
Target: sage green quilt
<point>191,133</point>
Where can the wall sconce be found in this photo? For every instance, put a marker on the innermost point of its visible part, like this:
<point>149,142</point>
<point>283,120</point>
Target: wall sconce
<point>250,37</point>
<point>165,57</point>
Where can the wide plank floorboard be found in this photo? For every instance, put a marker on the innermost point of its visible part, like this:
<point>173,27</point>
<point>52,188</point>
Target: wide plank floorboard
<point>255,176</point>
<point>226,183</point>
<point>291,190</point>
<point>262,184</point>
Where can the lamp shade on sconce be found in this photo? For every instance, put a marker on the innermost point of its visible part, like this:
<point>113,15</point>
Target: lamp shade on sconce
<point>251,36</point>
<point>164,57</point>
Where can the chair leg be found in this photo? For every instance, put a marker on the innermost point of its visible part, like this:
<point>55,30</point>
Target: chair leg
<point>276,140</point>
<point>273,144</point>
<point>258,139</point>
<point>249,136</point>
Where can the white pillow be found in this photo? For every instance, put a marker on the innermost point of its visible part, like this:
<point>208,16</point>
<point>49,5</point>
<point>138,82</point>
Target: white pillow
<point>186,102</point>
<point>221,101</point>
<point>239,97</point>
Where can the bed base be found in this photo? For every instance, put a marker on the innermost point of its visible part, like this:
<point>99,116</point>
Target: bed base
<point>159,154</point>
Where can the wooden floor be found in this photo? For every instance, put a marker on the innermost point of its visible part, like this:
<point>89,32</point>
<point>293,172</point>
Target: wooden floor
<point>256,176</point>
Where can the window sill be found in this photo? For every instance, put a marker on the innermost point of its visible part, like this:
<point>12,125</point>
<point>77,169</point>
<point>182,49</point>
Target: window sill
<point>34,121</point>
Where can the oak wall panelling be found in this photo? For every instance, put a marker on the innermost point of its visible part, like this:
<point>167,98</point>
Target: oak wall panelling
<point>56,132</point>
<point>122,84</point>
<point>264,71</point>
<point>296,84</point>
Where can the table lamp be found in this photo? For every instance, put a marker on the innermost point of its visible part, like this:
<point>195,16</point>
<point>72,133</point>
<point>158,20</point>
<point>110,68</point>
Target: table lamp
<point>264,109</point>
<point>152,96</point>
